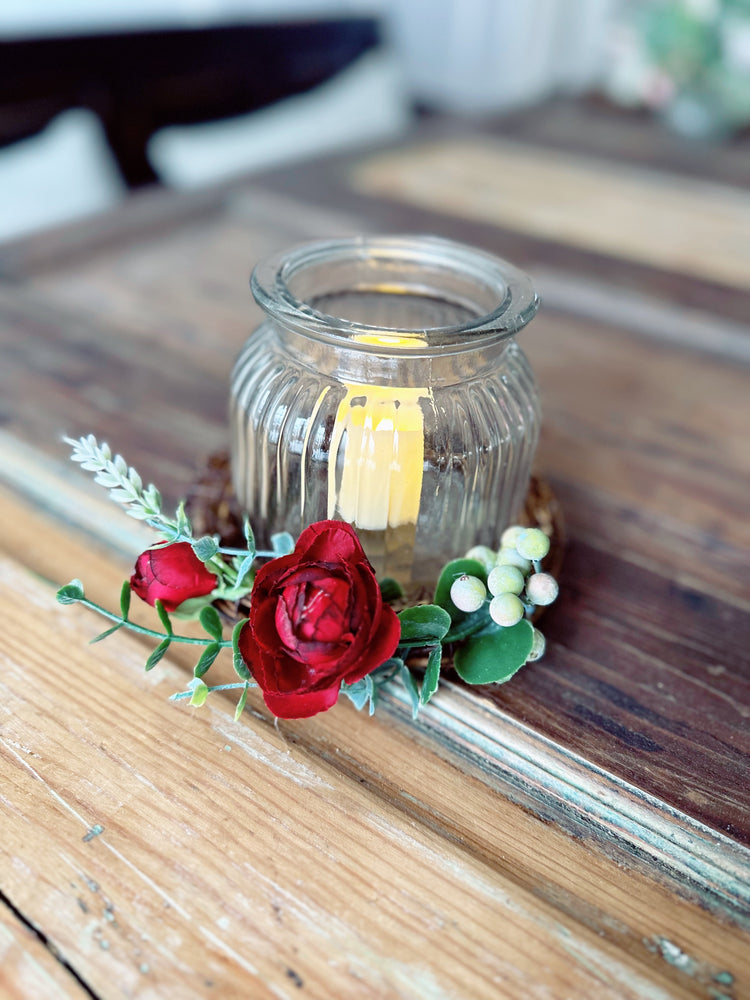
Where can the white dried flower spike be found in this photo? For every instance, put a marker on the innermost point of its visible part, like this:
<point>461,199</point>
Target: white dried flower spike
<point>506,609</point>
<point>509,557</point>
<point>509,537</point>
<point>484,555</point>
<point>538,646</point>
<point>541,588</point>
<point>468,593</point>
<point>532,544</point>
<point>505,580</point>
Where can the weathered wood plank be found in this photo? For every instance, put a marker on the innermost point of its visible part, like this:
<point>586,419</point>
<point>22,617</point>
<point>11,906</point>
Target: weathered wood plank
<point>220,857</point>
<point>346,780</point>
<point>645,443</point>
<point>28,968</point>
<point>650,217</point>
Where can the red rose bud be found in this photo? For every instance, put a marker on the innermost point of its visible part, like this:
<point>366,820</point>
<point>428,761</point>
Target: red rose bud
<point>317,617</point>
<point>171,574</point>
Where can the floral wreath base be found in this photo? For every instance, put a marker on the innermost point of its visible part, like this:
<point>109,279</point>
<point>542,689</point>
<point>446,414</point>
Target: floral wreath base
<point>312,621</point>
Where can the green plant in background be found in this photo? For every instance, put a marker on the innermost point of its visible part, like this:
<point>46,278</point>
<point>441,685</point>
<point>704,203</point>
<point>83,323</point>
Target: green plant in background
<point>688,59</point>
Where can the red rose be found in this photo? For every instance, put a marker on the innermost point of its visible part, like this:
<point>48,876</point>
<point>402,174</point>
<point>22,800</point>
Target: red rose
<point>171,574</point>
<point>316,618</point>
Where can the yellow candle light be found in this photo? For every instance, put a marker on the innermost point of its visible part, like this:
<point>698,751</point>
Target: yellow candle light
<point>377,452</point>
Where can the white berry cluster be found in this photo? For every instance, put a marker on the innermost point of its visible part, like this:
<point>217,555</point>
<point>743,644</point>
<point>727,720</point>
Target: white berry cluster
<point>514,580</point>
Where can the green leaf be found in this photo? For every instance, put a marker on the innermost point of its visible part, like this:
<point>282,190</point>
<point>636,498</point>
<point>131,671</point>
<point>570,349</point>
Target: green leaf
<point>390,589</point>
<point>495,654</point>
<point>190,609</point>
<point>163,617</point>
<point>158,653</point>
<point>411,689</point>
<point>184,527</point>
<point>360,692</point>
<point>200,693</point>
<point>426,623</point>
<point>205,548</point>
<point>207,657</point>
<point>105,633</point>
<point>241,703</point>
<point>70,593</point>
<point>125,595</point>
<point>247,531</point>
<point>209,619</point>
<point>432,674</point>
<point>240,667</point>
<point>448,575</point>
<point>282,543</point>
<point>244,568</point>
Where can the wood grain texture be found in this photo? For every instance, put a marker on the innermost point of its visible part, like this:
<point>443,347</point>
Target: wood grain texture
<point>28,968</point>
<point>324,857</point>
<point>579,832</point>
<point>652,218</point>
<point>645,443</point>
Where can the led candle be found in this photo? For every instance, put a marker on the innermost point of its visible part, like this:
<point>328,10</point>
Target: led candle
<point>377,456</point>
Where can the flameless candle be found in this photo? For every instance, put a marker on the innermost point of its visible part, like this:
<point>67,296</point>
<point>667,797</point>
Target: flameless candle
<point>377,451</point>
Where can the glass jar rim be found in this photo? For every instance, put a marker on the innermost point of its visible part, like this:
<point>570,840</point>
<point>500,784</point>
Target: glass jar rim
<point>511,289</point>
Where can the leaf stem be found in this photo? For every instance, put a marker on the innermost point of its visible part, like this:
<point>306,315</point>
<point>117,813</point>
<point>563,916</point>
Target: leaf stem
<point>142,630</point>
<point>215,687</point>
<point>244,552</point>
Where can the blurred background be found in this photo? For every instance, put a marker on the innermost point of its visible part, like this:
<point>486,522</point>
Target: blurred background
<point>98,99</point>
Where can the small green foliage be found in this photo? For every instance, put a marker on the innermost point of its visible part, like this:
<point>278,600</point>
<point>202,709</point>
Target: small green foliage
<point>200,693</point>
<point>451,572</point>
<point>124,484</point>
<point>431,677</point>
<point>158,653</point>
<point>105,633</point>
<point>205,548</point>
<point>183,528</point>
<point>244,567</point>
<point>494,654</point>
<point>359,693</point>
<point>424,624</point>
<point>209,619</point>
<point>247,531</point>
<point>207,657</point>
<point>164,617</point>
<point>282,543</point>
<point>241,703</point>
<point>240,667</point>
<point>391,590</point>
<point>412,690</point>
<point>125,594</point>
<point>70,593</point>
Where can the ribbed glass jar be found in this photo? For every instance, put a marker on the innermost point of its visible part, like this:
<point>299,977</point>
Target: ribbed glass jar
<point>386,389</point>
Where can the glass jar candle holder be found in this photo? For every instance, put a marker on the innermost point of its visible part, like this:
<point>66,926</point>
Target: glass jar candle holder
<point>386,389</point>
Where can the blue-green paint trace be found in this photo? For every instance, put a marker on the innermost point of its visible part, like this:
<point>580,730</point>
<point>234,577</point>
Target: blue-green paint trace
<point>725,978</point>
<point>93,832</point>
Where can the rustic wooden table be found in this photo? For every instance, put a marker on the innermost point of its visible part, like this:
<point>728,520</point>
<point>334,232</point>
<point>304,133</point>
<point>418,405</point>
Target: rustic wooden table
<point>580,832</point>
